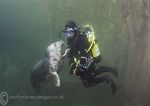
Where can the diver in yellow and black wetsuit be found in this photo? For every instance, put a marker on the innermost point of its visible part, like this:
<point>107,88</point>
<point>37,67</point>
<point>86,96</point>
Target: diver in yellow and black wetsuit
<point>83,54</point>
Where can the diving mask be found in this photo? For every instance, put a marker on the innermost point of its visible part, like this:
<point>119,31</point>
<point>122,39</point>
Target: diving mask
<point>69,32</point>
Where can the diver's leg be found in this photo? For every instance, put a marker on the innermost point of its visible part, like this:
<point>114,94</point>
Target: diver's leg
<point>90,82</point>
<point>85,83</point>
<point>56,78</point>
<point>94,81</point>
<point>97,59</point>
<point>110,82</point>
<point>103,69</point>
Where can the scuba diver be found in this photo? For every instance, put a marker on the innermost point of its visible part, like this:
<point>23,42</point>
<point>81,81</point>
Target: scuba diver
<point>83,54</point>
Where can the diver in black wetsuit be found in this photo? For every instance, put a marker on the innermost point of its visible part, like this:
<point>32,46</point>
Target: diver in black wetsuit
<point>83,55</point>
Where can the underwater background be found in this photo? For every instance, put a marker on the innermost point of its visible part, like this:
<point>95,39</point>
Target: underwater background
<point>122,29</point>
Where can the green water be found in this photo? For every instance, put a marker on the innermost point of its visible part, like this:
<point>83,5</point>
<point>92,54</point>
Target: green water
<point>28,26</point>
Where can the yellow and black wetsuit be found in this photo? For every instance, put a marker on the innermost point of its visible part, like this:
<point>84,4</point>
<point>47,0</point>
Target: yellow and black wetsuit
<point>83,44</point>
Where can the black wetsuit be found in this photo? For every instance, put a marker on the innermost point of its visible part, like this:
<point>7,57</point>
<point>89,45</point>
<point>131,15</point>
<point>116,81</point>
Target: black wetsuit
<point>77,46</point>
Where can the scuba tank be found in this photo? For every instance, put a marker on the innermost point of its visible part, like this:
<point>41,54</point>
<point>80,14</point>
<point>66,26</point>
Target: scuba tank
<point>94,48</point>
